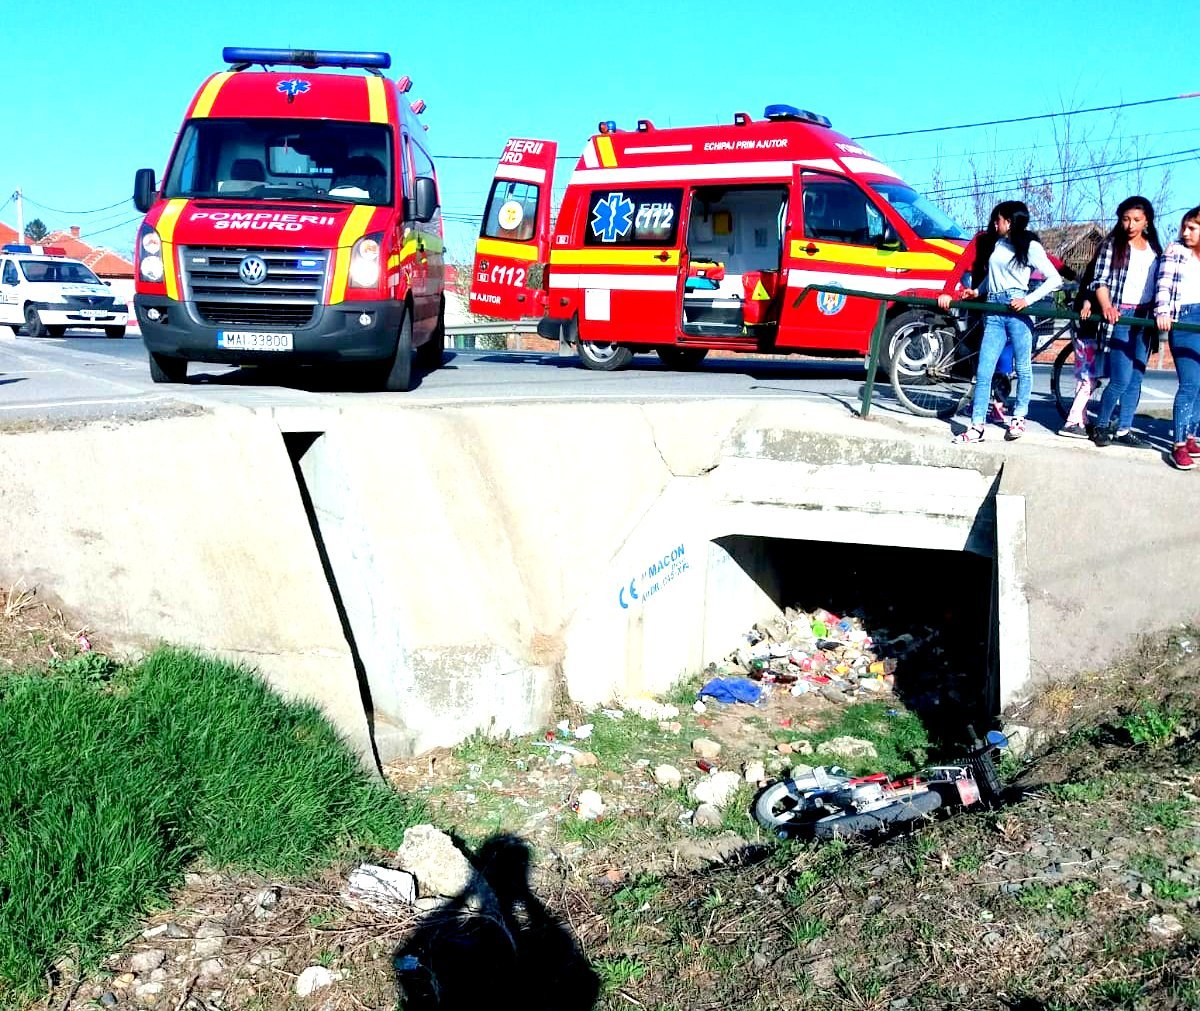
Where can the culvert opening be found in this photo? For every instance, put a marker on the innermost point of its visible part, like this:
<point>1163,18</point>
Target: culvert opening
<point>931,610</point>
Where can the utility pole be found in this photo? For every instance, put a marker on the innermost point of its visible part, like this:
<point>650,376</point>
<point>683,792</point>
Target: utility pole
<point>20,215</point>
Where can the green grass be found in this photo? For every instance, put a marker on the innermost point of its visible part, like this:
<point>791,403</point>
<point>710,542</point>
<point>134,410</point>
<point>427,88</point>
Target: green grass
<point>1088,791</point>
<point>1151,726</point>
<point>618,971</point>
<point>1068,901</point>
<point>113,780</point>
<point>803,931</point>
<point>901,740</point>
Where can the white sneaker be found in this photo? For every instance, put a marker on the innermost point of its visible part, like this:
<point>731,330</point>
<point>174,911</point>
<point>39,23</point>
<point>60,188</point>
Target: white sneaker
<point>970,434</point>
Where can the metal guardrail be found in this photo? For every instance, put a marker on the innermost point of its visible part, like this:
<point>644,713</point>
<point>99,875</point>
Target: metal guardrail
<point>993,308</point>
<point>481,329</point>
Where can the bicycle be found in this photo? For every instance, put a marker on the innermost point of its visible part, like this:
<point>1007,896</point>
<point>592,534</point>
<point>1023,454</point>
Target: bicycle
<point>933,367</point>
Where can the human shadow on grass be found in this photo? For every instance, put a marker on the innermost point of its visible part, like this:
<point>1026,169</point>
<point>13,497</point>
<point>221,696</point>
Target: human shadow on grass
<point>494,945</point>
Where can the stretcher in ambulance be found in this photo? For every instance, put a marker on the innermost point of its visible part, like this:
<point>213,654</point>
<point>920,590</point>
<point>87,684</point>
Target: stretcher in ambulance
<point>298,221</point>
<point>691,239</point>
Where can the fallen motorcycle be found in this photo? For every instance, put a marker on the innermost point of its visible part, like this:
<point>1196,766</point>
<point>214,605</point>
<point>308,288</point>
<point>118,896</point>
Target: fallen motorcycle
<point>828,803</point>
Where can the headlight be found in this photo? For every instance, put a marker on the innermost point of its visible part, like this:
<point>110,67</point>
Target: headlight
<point>150,264</point>
<point>364,262</point>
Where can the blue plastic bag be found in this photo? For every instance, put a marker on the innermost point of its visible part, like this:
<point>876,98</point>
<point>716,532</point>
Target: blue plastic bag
<point>732,690</point>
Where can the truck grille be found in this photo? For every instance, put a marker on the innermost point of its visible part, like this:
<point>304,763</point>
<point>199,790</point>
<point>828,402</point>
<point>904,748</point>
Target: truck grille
<point>288,296</point>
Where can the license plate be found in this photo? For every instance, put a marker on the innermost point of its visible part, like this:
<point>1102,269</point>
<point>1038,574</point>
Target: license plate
<point>93,313</point>
<point>253,340</point>
<point>968,792</point>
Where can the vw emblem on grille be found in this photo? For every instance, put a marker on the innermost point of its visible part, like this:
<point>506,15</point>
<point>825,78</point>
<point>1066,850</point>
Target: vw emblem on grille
<point>252,269</point>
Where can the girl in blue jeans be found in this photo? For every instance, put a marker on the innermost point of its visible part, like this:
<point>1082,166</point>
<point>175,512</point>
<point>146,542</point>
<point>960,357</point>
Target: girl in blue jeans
<point>1177,300</point>
<point>1005,256</point>
<point>1126,275</point>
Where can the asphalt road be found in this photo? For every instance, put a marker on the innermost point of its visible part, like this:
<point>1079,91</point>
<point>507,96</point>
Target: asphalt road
<point>88,376</point>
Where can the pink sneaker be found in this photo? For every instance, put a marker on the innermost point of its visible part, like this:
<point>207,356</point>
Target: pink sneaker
<point>1181,459</point>
<point>1192,446</point>
<point>996,413</point>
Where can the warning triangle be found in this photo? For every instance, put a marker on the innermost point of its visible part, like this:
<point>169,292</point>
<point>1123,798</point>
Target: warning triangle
<point>760,293</point>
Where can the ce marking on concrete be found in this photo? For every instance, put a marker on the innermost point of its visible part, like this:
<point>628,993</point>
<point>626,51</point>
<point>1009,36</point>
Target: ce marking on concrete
<point>633,594</point>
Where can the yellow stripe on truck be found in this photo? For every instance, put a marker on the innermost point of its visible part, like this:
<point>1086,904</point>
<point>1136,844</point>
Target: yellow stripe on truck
<point>605,148</point>
<point>376,100</point>
<point>623,257</point>
<point>867,256</point>
<point>208,96</point>
<point>166,231</point>
<point>513,250</point>
<point>353,230</point>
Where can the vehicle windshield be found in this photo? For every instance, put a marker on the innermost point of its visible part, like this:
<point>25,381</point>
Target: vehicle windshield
<point>50,270</point>
<point>283,159</point>
<point>926,219</point>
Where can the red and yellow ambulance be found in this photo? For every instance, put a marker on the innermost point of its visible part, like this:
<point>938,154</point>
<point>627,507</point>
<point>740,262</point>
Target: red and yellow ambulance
<point>690,239</point>
<point>298,220</point>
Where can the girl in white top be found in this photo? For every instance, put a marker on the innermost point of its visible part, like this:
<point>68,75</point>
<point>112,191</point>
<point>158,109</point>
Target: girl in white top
<point>1005,258</point>
<point>1126,276</point>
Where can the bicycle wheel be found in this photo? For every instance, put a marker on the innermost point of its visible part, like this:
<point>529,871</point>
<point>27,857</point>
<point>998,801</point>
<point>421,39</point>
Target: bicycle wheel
<point>933,372</point>
<point>1062,380</point>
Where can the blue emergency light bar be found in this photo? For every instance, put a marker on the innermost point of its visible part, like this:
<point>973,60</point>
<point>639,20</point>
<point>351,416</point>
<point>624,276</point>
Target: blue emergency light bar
<point>790,112</point>
<point>307,58</point>
<point>16,247</point>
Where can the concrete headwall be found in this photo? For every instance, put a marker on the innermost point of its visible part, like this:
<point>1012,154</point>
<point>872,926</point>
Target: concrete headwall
<point>487,558</point>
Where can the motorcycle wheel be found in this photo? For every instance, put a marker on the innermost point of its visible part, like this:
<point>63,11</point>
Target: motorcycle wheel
<point>777,808</point>
<point>910,809</point>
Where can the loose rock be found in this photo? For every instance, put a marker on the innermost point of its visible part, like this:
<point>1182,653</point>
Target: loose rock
<point>145,961</point>
<point>315,977</point>
<point>754,772</point>
<point>705,748</point>
<point>668,776</point>
<point>210,940</point>
<point>848,747</point>
<point>381,888</point>
<point>583,759</point>
<point>1164,925</point>
<point>707,816</point>
<point>147,994</point>
<point>438,865</point>
<point>718,789</point>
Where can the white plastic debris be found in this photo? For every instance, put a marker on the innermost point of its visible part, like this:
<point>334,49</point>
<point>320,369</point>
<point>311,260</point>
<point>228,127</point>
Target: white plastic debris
<point>590,806</point>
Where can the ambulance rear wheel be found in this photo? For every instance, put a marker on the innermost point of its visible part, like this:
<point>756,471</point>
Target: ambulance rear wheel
<point>899,327</point>
<point>33,323</point>
<point>114,331</point>
<point>681,358</point>
<point>603,356</point>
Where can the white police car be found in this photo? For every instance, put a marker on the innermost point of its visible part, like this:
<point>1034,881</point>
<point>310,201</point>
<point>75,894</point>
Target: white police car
<point>44,291</point>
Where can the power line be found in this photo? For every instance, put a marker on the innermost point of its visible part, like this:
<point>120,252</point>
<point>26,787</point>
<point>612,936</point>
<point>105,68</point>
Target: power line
<point>959,155</point>
<point>119,224</point>
<point>59,210</point>
<point>1029,119</point>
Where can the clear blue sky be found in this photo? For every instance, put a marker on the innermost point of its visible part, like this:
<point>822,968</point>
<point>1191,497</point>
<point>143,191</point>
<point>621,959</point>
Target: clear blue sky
<point>97,90</point>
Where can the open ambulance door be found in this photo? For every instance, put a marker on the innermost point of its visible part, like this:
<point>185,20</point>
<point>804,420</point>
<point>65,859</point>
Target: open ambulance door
<point>514,240</point>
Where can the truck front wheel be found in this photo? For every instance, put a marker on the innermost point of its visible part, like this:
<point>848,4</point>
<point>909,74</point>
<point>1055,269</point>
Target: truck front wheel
<point>398,378</point>
<point>165,369</point>
<point>603,356</point>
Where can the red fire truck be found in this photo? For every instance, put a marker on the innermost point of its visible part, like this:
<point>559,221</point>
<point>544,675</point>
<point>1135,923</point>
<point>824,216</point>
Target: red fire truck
<point>689,239</point>
<point>298,220</point>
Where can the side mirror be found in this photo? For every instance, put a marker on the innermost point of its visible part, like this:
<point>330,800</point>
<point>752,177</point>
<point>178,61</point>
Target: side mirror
<point>888,239</point>
<point>144,189</point>
<point>424,201</point>
<point>109,283</point>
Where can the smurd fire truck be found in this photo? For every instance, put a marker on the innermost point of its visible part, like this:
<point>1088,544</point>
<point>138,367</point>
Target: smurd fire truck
<point>685,240</point>
<point>298,220</point>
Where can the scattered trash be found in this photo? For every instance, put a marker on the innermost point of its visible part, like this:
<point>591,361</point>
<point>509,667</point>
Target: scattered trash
<point>590,806</point>
<point>83,642</point>
<point>650,709</point>
<point>699,708</point>
<point>732,689</point>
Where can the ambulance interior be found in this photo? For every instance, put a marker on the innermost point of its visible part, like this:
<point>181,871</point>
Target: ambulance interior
<point>731,232</point>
